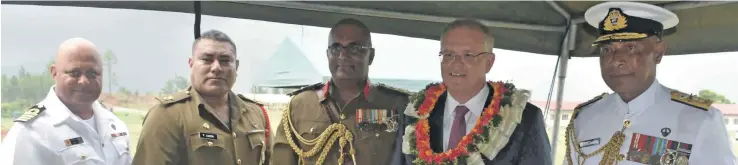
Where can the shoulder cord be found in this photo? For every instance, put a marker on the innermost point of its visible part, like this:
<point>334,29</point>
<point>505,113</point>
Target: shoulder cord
<point>610,150</point>
<point>335,131</point>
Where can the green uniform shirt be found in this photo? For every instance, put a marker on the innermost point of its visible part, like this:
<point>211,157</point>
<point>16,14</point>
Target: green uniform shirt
<point>183,130</point>
<point>368,117</point>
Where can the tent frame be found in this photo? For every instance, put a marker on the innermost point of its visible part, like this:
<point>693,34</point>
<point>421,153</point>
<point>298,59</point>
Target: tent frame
<point>567,44</point>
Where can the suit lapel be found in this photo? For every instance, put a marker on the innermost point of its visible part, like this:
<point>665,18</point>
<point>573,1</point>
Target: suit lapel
<point>436,124</point>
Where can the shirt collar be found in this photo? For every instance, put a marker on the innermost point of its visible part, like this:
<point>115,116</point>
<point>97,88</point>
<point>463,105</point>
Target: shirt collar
<point>475,104</point>
<point>643,101</point>
<point>233,103</point>
<point>327,89</point>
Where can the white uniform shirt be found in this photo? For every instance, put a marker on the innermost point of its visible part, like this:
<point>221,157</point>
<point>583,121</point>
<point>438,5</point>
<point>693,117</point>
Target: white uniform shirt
<point>659,125</point>
<point>475,105</point>
<point>43,140</point>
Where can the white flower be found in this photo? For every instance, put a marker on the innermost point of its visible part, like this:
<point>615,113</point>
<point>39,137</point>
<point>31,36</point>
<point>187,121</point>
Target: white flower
<point>410,129</point>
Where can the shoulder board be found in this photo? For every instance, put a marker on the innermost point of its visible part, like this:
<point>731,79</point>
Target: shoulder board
<point>307,88</point>
<point>31,113</point>
<point>590,101</point>
<point>691,100</point>
<point>579,107</point>
<point>249,100</point>
<point>103,105</point>
<point>400,91</point>
<point>173,98</point>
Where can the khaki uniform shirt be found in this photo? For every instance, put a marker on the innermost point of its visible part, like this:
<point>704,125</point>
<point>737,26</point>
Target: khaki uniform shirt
<point>310,115</point>
<point>183,130</point>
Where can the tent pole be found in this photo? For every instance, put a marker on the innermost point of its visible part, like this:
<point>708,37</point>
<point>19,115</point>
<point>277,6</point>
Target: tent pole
<point>566,45</point>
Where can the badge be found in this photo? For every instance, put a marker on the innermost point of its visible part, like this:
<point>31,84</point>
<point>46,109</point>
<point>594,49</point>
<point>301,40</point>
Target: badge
<point>208,136</point>
<point>590,142</point>
<point>647,149</point>
<point>665,131</point>
<point>73,141</point>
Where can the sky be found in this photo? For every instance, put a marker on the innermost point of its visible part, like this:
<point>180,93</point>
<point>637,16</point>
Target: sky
<point>153,47</point>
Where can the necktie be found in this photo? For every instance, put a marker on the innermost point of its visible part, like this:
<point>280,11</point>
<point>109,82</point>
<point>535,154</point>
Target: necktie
<point>458,128</point>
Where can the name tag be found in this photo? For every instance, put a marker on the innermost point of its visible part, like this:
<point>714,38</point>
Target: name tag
<point>73,141</point>
<point>590,142</point>
<point>209,136</point>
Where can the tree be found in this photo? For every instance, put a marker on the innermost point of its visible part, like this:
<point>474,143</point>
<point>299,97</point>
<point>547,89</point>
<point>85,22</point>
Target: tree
<point>175,84</point>
<point>715,97</point>
<point>110,59</point>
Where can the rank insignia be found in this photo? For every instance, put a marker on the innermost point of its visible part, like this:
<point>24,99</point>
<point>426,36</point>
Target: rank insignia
<point>653,150</point>
<point>375,118</point>
<point>691,100</point>
<point>73,141</point>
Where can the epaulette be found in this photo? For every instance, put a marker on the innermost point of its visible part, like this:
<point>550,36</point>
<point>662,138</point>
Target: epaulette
<point>400,91</point>
<point>691,100</point>
<point>586,103</point>
<point>307,88</point>
<point>249,100</point>
<point>31,113</point>
<point>173,98</point>
<point>103,105</point>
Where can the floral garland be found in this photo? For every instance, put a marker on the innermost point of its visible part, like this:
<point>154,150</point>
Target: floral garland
<point>467,150</point>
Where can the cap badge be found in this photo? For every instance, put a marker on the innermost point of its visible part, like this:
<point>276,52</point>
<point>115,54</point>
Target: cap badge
<point>615,21</point>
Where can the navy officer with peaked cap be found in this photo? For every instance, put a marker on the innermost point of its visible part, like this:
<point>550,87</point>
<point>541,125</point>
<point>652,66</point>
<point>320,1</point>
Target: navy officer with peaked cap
<point>642,122</point>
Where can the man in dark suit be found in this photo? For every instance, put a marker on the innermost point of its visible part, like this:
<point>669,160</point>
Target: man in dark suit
<point>466,119</point>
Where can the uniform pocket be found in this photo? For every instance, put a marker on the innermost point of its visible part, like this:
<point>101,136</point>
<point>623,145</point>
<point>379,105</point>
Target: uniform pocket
<point>310,129</point>
<point>207,148</point>
<point>122,146</point>
<point>80,155</point>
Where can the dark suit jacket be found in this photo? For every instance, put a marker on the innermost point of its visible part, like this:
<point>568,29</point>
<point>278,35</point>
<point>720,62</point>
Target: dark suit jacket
<point>528,145</point>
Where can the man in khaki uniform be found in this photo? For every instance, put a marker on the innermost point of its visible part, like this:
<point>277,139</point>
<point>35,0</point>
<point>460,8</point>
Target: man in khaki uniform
<point>347,120</point>
<point>207,124</point>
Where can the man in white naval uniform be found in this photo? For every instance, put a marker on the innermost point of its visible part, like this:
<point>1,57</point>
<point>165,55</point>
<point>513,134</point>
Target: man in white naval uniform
<point>643,122</point>
<point>69,126</point>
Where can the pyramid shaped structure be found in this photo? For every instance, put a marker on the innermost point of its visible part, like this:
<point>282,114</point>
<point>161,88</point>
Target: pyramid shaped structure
<point>288,68</point>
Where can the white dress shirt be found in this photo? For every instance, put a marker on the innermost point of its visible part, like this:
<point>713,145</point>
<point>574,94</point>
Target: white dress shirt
<point>658,125</point>
<point>475,105</point>
<point>41,141</point>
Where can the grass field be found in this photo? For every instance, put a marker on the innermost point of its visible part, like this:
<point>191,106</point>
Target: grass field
<point>133,121</point>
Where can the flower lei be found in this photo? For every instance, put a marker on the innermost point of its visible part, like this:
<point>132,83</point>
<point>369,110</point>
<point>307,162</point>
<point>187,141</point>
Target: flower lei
<point>467,149</point>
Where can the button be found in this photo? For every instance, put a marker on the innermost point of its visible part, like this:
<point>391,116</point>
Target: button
<point>83,156</point>
<point>376,134</point>
<point>621,157</point>
<point>343,116</point>
<point>238,161</point>
<point>234,135</point>
<point>626,123</point>
<point>206,125</point>
<point>187,92</point>
<point>311,130</point>
<point>210,143</point>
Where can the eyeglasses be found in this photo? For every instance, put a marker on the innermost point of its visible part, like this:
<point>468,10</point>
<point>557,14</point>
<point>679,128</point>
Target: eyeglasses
<point>352,50</point>
<point>466,58</point>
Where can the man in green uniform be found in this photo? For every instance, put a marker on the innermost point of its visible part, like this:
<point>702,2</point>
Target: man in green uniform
<point>207,124</point>
<point>346,120</point>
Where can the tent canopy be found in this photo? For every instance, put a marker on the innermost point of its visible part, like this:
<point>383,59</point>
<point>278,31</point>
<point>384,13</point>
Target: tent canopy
<point>529,26</point>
